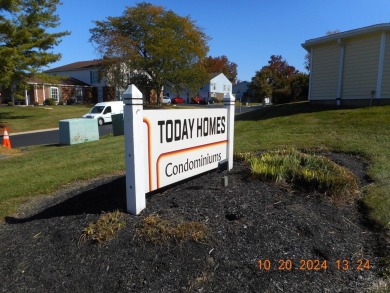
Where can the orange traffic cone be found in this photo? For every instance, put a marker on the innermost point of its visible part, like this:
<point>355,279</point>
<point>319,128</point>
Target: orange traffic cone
<point>6,140</point>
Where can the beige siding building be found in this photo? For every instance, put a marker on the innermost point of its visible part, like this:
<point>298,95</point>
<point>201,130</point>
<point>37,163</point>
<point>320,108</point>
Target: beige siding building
<point>352,67</point>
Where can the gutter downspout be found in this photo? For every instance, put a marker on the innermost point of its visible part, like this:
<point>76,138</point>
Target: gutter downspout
<point>341,71</point>
<point>380,66</point>
<point>310,71</point>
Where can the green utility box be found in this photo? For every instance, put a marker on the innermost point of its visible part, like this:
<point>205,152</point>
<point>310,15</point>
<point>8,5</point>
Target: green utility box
<point>117,124</point>
<point>79,130</point>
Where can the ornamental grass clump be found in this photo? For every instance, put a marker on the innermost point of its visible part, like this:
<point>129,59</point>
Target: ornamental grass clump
<point>155,229</point>
<point>309,172</point>
<point>105,228</point>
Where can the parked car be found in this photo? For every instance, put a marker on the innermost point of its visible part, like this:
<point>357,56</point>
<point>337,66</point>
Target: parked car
<point>166,100</point>
<point>207,101</point>
<point>177,100</point>
<point>196,100</point>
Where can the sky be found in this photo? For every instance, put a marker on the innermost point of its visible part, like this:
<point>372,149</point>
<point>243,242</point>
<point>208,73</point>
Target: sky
<point>248,32</point>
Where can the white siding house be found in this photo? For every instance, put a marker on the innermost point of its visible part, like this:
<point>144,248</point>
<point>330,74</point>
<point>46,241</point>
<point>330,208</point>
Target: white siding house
<point>86,71</point>
<point>352,67</point>
<point>217,88</point>
<point>240,89</point>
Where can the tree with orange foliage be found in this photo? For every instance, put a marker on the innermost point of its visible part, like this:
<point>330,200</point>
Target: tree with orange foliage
<point>221,64</point>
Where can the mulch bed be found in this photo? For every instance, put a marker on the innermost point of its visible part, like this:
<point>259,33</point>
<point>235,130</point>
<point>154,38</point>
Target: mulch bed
<point>248,221</point>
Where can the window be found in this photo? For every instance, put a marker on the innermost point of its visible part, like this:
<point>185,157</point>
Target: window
<point>54,94</point>
<point>94,77</point>
<point>78,92</point>
<point>108,110</point>
<point>77,95</point>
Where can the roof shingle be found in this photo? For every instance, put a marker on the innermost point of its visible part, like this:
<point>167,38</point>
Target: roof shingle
<point>76,66</point>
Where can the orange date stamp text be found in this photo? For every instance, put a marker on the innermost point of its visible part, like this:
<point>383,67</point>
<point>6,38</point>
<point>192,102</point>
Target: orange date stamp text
<point>313,265</point>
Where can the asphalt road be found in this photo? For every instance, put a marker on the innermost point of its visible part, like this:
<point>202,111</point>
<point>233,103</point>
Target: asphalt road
<point>46,137</point>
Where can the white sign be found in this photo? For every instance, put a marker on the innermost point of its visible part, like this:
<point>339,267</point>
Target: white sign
<point>166,146</point>
<point>182,144</point>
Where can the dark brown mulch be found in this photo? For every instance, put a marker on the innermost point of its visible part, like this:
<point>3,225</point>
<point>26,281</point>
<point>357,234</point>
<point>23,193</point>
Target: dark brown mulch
<point>248,221</point>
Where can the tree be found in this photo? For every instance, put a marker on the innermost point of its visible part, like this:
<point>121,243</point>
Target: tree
<point>307,62</point>
<point>274,79</point>
<point>260,86</point>
<point>221,65</point>
<point>25,42</point>
<point>299,87</point>
<point>156,43</point>
<point>280,72</point>
<point>329,33</point>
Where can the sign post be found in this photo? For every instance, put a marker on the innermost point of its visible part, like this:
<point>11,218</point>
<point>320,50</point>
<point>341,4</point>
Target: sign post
<point>229,104</point>
<point>134,150</point>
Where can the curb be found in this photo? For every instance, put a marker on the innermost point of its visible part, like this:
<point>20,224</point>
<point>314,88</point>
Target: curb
<point>33,131</point>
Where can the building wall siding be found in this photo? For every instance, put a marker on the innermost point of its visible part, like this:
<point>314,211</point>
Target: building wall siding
<point>325,68</point>
<point>365,67</point>
<point>83,75</point>
<point>360,66</point>
<point>240,89</point>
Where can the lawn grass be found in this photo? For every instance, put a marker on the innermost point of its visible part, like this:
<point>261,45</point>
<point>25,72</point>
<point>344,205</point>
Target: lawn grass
<point>365,131</point>
<point>21,118</point>
<point>44,169</point>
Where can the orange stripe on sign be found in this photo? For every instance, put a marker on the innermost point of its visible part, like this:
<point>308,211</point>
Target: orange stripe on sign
<point>182,151</point>
<point>149,138</point>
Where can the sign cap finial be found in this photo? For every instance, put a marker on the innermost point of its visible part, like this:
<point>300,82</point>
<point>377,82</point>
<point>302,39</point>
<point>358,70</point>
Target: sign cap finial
<point>132,93</point>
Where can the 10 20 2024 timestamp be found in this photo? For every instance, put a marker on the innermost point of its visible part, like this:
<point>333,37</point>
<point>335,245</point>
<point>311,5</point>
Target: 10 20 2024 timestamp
<point>313,265</point>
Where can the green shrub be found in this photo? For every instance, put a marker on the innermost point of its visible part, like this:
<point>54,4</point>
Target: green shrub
<point>307,172</point>
<point>50,102</point>
<point>10,104</point>
<point>20,99</point>
<point>281,96</point>
<point>36,104</point>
